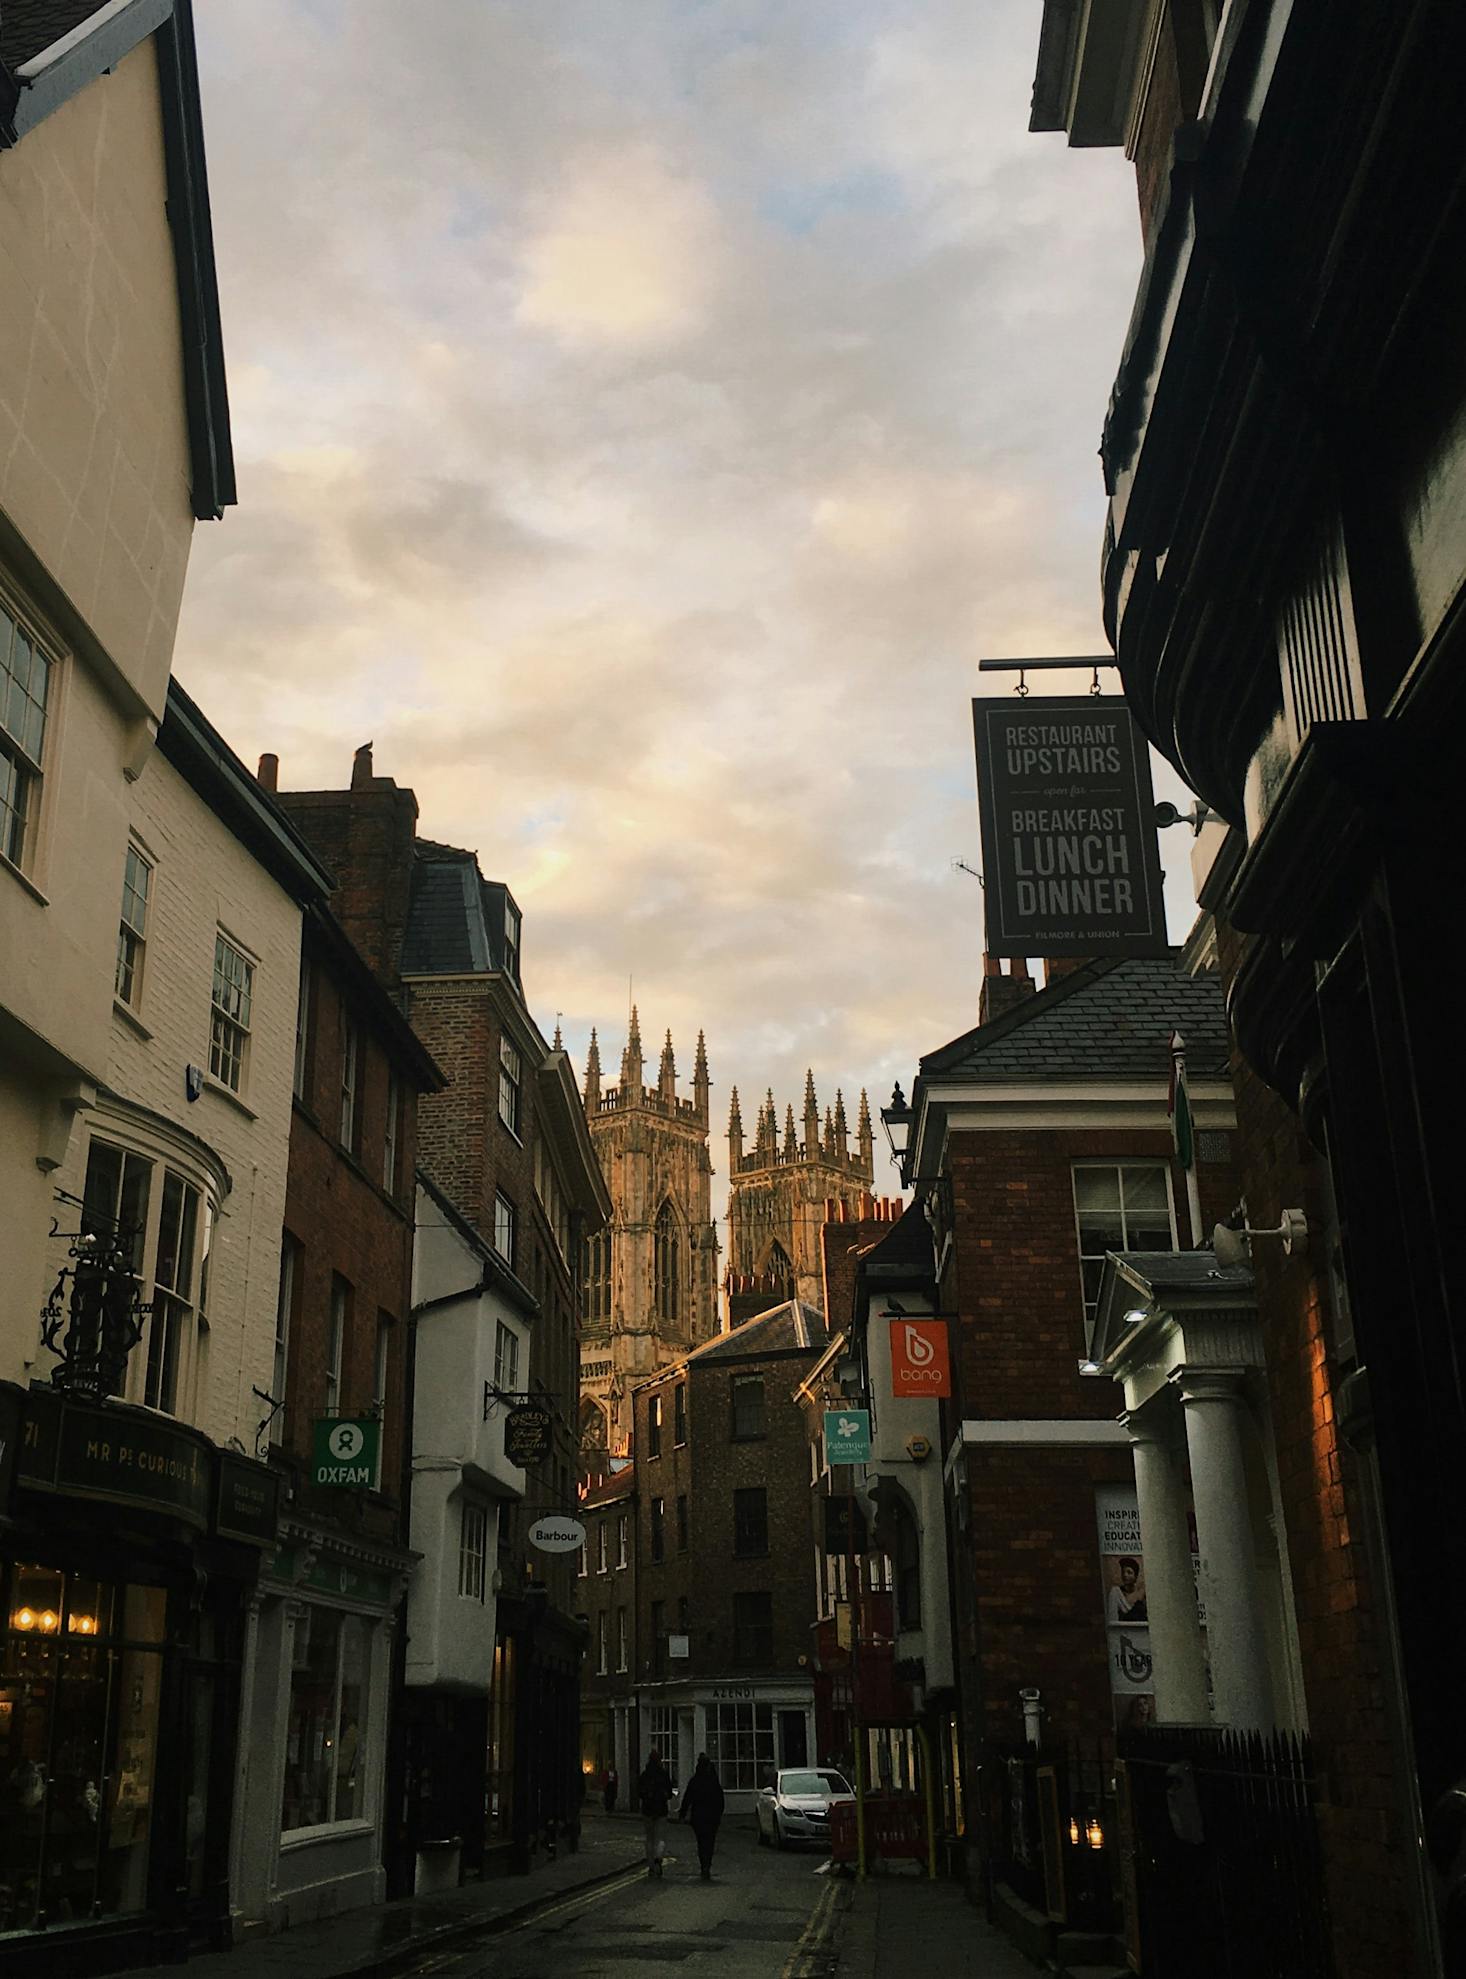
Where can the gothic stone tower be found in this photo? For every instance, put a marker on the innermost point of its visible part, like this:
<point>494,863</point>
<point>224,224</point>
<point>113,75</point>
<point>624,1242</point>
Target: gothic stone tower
<point>651,1279</point>
<point>777,1193</point>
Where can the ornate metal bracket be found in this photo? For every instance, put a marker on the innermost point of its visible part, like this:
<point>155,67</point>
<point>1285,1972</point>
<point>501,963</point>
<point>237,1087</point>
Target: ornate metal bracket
<point>94,1316</point>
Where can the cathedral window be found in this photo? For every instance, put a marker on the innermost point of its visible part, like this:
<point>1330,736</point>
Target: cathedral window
<point>666,1275</point>
<point>781,1270</point>
<point>596,1293</point>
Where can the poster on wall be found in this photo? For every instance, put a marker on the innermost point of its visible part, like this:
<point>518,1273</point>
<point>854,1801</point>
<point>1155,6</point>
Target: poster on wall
<point>1067,815</point>
<point>1127,1622</point>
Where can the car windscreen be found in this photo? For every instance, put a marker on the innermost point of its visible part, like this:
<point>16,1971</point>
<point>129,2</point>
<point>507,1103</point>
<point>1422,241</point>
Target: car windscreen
<point>812,1783</point>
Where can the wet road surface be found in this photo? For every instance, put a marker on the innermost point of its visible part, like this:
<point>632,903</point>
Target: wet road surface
<point>764,1916</point>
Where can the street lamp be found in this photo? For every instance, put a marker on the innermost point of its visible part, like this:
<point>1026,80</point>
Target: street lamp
<point>897,1119</point>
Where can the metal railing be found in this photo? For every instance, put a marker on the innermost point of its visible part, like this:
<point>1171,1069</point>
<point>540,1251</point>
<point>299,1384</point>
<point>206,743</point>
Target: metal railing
<point>1222,1868</point>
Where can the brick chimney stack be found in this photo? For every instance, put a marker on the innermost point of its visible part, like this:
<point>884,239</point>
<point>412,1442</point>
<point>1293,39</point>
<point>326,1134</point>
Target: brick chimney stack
<point>1000,992</point>
<point>1061,965</point>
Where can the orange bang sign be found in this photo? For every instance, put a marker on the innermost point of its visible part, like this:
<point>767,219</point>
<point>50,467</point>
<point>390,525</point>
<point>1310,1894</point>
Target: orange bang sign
<point>920,1367</point>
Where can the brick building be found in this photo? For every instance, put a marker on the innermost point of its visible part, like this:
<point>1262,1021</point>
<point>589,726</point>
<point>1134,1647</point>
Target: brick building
<point>507,1144</point>
<point>606,1597</point>
<point>725,1601</point>
<point>1281,582</point>
<point>1041,1142</point>
<point>326,1653</point>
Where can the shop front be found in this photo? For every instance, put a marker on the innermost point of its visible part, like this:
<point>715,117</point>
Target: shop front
<point>748,1729</point>
<point>130,1551</point>
<point>318,1690</point>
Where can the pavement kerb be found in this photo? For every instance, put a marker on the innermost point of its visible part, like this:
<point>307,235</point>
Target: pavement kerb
<point>482,1924</point>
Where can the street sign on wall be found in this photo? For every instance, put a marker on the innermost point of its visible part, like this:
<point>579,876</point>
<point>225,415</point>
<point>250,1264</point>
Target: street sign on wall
<point>345,1450</point>
<point>920,1367</point>
<point>1070,864</point>
<point>847,1436</point>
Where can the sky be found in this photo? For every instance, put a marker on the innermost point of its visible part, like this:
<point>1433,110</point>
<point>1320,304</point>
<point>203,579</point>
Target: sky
<point>646,413</point>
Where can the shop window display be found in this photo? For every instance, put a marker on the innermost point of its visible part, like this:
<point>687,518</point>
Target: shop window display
<point>328,1702</point>
<point>80,1682</point>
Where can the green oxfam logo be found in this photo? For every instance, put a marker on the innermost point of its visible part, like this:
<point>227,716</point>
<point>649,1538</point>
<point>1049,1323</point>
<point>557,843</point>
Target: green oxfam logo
<point>346,1451</point>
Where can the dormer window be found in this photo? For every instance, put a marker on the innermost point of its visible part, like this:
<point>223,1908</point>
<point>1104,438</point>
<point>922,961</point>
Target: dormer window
<point>511,938</point>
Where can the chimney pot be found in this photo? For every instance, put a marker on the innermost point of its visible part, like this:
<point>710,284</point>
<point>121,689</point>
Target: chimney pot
<point>361,767</point>
<point>267,776</point>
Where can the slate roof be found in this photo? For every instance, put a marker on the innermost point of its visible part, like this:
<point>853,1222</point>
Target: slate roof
<point>28,27</point>
<point>455,917</point>
<point>446,934</point>
<point>905,1250</point>
<point>1106,1020</point>
<point>1185,1271</point>
<point>790,1328</point>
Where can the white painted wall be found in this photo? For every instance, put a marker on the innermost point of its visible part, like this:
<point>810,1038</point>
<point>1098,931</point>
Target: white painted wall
<point>456,1453</point>
<point>895,1422</point>
<point>203,878</point>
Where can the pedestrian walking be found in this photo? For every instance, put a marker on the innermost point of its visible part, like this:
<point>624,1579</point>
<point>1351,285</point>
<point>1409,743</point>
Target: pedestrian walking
<point>654,1797</point>
<point>702,1810</point>
<point>612,1786</point>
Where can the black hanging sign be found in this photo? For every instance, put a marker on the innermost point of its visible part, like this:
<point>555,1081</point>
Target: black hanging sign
<point>1070,863</point>
<point>527,1435</point>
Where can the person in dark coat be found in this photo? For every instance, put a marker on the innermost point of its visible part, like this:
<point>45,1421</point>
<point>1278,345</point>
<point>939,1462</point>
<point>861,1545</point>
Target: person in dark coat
<point>702,1810</point>
<point>610,1790</point>
<point>654,1796</point>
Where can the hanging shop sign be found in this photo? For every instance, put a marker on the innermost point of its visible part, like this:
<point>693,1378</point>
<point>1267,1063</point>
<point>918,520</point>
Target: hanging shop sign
<point>1070,863</point>
<point>527,1432</point>
<point>554,1534</point>
<point>12,1402</point>
<point>248,1505</point>
<point>346,1450</point>
<point>920,1367</point>
<point>847,1436</point>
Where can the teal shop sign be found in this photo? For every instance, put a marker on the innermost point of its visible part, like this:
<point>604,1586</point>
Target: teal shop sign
<point>847,1436</point>
<point>346,1450</point>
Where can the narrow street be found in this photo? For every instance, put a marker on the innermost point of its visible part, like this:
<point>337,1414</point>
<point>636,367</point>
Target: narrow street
<point>762,1914</point>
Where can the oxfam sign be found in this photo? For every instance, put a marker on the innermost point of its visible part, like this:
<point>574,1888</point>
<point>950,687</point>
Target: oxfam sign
<point>346,1450</point>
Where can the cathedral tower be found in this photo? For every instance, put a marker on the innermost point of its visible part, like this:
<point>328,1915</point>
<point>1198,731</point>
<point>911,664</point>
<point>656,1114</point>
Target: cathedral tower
<point>651,1278</point>
<point>778,1192</point>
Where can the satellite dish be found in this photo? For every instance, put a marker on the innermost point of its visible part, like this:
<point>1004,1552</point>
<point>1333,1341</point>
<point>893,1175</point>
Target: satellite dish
<point>1231,1247</point>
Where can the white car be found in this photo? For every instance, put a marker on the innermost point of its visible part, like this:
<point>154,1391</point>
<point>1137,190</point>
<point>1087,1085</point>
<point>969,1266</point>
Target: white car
<point>796,1808</point>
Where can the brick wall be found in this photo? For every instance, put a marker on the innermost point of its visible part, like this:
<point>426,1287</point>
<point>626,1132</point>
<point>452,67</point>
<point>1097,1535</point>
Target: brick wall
<point>364,836</point>
<point>344,1221</point>
<point>1032,1558</point>
<point>707,1470</point>
<point>1017,1288</point>
<point>1322,1489</point>
<point>599,1594</point>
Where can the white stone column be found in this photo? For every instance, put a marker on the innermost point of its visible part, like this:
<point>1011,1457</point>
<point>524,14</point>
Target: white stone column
<point>1231,1588</point>
<point>1170,1587</point>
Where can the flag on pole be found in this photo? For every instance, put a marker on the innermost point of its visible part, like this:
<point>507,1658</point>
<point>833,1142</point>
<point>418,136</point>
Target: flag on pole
<point>1178,1106</point>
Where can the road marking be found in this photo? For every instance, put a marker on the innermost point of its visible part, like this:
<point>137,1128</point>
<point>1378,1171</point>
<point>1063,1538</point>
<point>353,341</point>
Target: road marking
<point>583,1899</point>
<point>813,1935</point>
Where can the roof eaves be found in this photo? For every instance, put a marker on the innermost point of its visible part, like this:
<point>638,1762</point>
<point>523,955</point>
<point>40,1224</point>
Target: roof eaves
<point>204,759</point>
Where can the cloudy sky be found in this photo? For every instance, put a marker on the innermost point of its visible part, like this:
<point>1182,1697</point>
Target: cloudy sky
<point>647,412</point>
